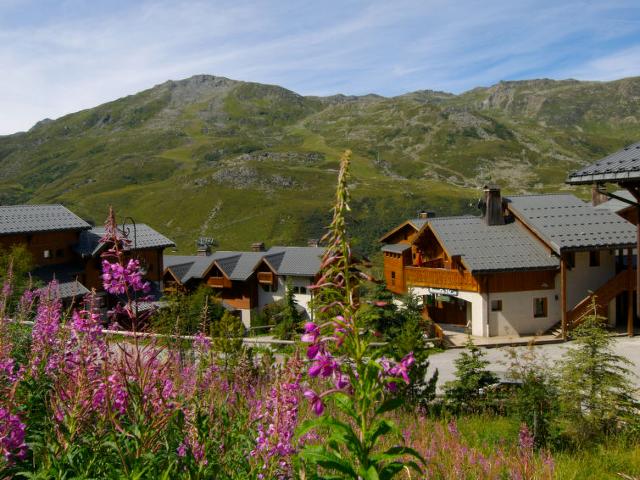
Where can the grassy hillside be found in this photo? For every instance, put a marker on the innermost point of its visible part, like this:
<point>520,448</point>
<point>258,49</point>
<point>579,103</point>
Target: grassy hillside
<point>242,162</point>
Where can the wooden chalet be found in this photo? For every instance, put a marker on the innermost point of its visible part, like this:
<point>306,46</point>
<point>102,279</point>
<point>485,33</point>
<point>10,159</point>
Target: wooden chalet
<point>621,168</point>
<point>66,248</point>
<point>523,266</point>
<point>247,281</point>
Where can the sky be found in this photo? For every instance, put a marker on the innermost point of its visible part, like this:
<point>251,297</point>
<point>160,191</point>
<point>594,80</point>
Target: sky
<point>61,56</point>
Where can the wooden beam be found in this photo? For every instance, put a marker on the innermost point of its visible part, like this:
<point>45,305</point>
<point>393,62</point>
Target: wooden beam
<point>563,294</point>
<point>630,292</point>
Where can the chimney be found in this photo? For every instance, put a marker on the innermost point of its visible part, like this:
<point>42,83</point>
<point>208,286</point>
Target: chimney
<point>258,247</point>
<point>597,195</point>
<point>426,214</point>
<point>491,205</point>
<point>313,242</point>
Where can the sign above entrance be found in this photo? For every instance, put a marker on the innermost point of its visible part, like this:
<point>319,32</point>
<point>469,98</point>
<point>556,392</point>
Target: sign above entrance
<point>442,291</point>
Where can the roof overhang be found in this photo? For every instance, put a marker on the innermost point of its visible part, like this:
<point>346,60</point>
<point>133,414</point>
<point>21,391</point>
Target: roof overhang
<point>399,227</point>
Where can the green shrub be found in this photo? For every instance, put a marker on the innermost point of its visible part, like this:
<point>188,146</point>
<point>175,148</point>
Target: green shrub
<point>595,389</point>
<point>464,394</point>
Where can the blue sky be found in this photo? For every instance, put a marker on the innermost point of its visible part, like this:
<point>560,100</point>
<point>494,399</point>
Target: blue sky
<point>60,56</point>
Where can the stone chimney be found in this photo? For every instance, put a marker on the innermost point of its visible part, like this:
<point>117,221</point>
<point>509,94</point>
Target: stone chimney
<point>491,206</point>
<point>597,197</point>
<point>426,214</point>
<point>258,247</point>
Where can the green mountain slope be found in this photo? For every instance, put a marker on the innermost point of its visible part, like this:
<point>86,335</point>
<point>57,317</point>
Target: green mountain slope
<point>242,162</point>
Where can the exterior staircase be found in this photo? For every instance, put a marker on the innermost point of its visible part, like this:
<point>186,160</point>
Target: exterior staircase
<point>603,295</point>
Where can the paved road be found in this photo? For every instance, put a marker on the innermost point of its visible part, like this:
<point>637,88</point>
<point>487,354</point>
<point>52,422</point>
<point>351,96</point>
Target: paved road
<point>627,347</point>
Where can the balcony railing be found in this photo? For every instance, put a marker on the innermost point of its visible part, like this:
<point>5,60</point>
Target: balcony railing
<point>440,278</point>
<point>218,282</point>
<point>265,278</point>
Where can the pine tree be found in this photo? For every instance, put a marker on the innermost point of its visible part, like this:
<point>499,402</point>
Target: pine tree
<point>595,386</point>
<point>289,318</point>
<point>464,393</point>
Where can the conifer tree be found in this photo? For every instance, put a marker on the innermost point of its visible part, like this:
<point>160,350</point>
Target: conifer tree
<point>595,389</point>
<point>464,393</point>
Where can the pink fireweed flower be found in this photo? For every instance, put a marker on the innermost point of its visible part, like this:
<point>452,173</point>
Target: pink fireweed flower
<point>324,365</point>
<point>525,439</point>
<point>46,343</point>
<point>316,401</point>
<point>12,434</point>
<point>117,278</point>
<point>313,350</point>
<point>312,332</point>
<point>119,394</point>
<point>341,380</point>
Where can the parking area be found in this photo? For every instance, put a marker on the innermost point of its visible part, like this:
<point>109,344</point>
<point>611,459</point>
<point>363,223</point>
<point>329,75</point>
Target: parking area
<point>624,346</point>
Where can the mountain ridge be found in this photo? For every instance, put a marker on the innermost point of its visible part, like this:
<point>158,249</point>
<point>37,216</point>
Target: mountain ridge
<point>244,161</point>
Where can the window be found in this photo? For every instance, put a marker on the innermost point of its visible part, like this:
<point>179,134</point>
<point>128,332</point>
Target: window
<point>46,254</point>
<point>571,260</point>
<point>60,253</point>
<point>594,258</point>
<point>540,307</point>
<point>300,290</point>
<point>268,287</point>
<point>496,305</point>
<point>393,278</point>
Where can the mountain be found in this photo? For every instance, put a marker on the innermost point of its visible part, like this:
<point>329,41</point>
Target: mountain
<point>244,162</point>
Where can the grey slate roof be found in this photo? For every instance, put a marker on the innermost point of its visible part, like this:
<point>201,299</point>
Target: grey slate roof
<point>396,247</point>
<point>38,218</point>
<point>240,265</point>
<point>419,222</point>
<point>146,237</point>
<point>620,166</point>
<point>297,261</point>
<point>486,248</point>
<point>187,267</point>
<point>565,222</point>
<point>614,205</point>
<point>300,261</point>
<point>66,278</point>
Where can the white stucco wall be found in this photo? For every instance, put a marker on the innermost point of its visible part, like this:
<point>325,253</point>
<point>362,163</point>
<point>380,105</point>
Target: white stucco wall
<point>265,298</point>
<point>516,316</point>
<point>476,309</point>
<point>583,278</point>
<point>245,316</point>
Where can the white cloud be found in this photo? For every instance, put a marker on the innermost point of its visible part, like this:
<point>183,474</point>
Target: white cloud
<point>74,58</point>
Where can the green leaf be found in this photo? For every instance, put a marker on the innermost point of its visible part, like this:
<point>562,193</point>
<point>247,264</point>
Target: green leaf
<point>380,428</point>
<point>317,454</point>
<point>389,471</point>
<point>345,404</point>
<point>371,473</point>
<point>389,405</point>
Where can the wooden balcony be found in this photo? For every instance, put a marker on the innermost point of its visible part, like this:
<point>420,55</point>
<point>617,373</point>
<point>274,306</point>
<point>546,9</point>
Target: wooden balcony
<point>218,282</point>
<point>266,278</point>
<point>440,278</point>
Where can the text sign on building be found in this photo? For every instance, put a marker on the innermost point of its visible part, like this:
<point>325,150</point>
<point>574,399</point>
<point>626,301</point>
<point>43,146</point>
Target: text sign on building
<point>442,291</point>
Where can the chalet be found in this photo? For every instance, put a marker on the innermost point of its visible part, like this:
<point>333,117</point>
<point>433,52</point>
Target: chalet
<point>247,281</point>
<point>528,263</point>
<point>147,246</point>
<point>49,233</point>
<point>621,168</point>
<point>66,248</point>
